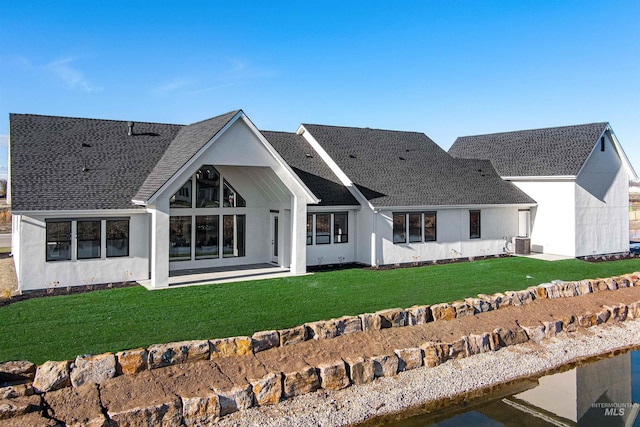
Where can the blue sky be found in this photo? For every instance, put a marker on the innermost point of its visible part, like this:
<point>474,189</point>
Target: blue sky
<point>445,68</point>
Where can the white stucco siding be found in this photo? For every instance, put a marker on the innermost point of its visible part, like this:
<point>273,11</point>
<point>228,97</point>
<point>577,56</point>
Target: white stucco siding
<point>602,204</point>
<point>453,239</point>
<point>553,220</point>
<point>365,237</point>
<point>38,273</point>
<point>336,253</point>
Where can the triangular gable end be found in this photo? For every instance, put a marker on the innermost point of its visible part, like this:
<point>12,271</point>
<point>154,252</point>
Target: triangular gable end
<point>236,152</point>
<point>633,176</point>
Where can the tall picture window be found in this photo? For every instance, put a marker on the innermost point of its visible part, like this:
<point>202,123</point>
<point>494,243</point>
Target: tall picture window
<point>474,224</point>
<point>89,240</point>
<point>179,238</point>
<point>117,238</point>
<point>233,230</point>
<point>58,241</point>
<point>207,236</point>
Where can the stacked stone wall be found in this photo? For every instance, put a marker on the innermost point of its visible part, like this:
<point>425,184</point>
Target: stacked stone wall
<point>36,395</point>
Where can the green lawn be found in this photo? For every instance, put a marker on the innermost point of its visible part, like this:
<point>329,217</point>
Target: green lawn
<point>58,328</point>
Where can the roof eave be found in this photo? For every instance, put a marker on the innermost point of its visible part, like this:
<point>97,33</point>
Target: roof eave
<point>465,206</point>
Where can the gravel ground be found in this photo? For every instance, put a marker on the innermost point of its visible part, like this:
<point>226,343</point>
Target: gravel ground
<point>418,387</point>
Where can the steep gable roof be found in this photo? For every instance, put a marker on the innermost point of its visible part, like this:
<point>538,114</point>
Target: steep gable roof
<point>48,155</point>
<point>558,151</point>
<point>186,144</point>
<point>311,169</point>
<point>393,168</point>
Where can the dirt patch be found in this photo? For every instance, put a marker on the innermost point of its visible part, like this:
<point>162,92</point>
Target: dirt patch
<point>5,217</point>
<point>8,282</point>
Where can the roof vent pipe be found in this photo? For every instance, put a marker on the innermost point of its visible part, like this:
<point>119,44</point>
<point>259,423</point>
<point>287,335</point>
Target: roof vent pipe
<point>130,125</point>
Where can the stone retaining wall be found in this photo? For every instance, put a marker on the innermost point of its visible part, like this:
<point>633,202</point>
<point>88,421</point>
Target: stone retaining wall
<point>27,391</point>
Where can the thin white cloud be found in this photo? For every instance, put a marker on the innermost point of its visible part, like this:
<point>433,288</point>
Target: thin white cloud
<point>236,72</point>
<point>172,86</point>
<point>71,76</point>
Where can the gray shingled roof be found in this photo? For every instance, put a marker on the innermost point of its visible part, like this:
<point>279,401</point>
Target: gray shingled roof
<point>47,158</point>
<point>559,151</point>
<point>186,144</point>
<point>311,169</point>
<point>393,168</point>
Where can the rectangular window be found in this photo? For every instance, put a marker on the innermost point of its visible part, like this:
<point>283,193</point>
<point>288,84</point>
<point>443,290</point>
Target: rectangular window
<point>233,232</point>
<point>179,238</point>
<point>117,238</point>
<point>309,229</point>
<point>323,229</point>
<point>89,240</point>
<point>399,228</point>
<point>415,227</point>
<point>58,241</point>
<point>340,228</point>
<point>474,224</point>
<point>207,236</point>
<point>430,234</point>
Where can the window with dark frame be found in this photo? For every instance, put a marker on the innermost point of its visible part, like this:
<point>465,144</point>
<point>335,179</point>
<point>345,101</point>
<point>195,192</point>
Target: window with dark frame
<point>207,236</point>
<point>207,187</point>
<point>179,238</point>
<point>89,239</point>
<point>323,229</point>
<point>309,229</point>
<point>58,240</point>
<point>117,238</point>
<point>182,197</point>
<point>415,227</point>
<point>419,226</point>
<point>340,230</point>
<point>430,227</point>
<point>399,228</point>
<point>233,235</point>
<point>474,224</point>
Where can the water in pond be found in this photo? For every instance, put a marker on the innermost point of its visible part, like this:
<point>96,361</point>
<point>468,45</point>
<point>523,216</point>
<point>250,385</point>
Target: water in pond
<point>604,392</point>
